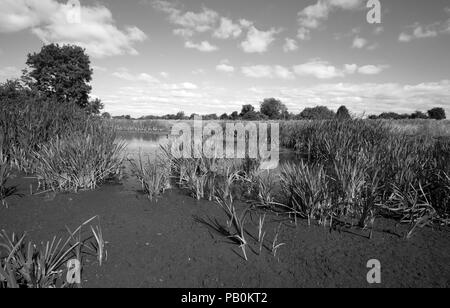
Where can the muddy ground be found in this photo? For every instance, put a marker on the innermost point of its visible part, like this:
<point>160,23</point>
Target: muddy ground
<point>163,244</point>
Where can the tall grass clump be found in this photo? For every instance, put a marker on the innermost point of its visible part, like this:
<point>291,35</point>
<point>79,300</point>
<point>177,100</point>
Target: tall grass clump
<point>306,189</point>
<point>80,160</point>
<point>24,264</point>
<point>204,177</point>
<point>154,176</point>
<point>357,170</point>
<point>27,120</point>
<point>5,174</point>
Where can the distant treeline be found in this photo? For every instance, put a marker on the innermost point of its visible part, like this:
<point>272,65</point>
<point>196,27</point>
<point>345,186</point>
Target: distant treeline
<point>273,109</point>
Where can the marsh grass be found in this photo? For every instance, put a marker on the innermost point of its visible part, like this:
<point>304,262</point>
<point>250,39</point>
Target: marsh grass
<point>236,222</point>
<point>6,191</point>
<point>24,264</point>
<point>354,171</point>
<point>81,160</point>
<point>154,176</point>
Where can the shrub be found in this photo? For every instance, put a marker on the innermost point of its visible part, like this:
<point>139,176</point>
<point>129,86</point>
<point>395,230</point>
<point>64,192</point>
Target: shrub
<point>437,114</point>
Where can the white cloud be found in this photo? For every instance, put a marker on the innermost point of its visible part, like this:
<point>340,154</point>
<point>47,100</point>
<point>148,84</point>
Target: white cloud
<point>198,22</point>
<point>9,72</point>
<point>49,20</point>
<point>143,77</point>
<point>186,33</point>
<point>227,29</point>
<point>359,42</point>
<point>324,70</point>
<point>198,71</point>
<point>319,69</point>
<point>257,71</point>
<point>225,68</point>
<point>372,69</point>
<point>189,86</point>
<point>313,16</point>
<point>267,71</point>
<point>425,31</point>
<point>204,46</point>
<point>290,45</point>
<point>362,98</point>
<point>378,30</point>
<point>258,41</point>
<point>283,73</point>
<point>151,81</point>
<point>350,68</point>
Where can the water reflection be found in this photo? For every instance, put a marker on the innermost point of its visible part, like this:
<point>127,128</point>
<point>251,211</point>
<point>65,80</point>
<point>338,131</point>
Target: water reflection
<point>149,144</point>
<point>146,143</point>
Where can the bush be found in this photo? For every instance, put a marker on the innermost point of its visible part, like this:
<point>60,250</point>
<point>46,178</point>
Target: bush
<point>437,114</point>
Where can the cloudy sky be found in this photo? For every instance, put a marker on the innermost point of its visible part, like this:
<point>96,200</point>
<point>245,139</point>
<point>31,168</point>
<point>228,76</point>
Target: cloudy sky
<point>213,56</point>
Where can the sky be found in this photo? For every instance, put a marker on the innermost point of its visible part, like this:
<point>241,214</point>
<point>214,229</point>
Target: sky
<point>155,57</point>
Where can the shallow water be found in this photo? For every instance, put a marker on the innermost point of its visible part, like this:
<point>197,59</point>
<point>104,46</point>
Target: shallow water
<point>149,144</point>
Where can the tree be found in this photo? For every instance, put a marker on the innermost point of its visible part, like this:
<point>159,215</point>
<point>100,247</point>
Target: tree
<point>211,117</point>
<point>61,72</point>
<point>247,109</point>
<point>437,114</point>
<point>317,113</point>
<point>418,115</point>
<point>274,109</point>
<point>106,115</point>
<point>94,107</point>
<point>180,116</point>
<point>343,114</point>
<point>248,113</point>
<point>224,117</point>
<point>234,116</point>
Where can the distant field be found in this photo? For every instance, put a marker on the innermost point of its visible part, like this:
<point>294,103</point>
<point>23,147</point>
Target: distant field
<point>410,127</point>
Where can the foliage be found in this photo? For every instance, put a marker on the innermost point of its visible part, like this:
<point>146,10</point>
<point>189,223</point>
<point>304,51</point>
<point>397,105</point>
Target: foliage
<point>62,72</point>
<point>317,113</point>
<point>26,265</point>
<point>27,120</point>
<point>153,176</point>
<point>274,109</point>
<point>80,160</point>
<point>437,114</point>
<point>343,114</point>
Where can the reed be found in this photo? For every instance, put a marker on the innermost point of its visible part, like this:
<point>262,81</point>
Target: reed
<point>153,176</point>
<point>81,160</point>
<point>6,191</point>
<point>26,265</point>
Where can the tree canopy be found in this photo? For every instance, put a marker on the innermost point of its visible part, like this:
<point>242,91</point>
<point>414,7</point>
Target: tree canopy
<point>64,74</point>
<point>274,109</point>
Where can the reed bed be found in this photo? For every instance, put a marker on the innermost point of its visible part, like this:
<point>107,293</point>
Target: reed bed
<point>24,264</point>
<point>80,160</point>
<point>355,171</point>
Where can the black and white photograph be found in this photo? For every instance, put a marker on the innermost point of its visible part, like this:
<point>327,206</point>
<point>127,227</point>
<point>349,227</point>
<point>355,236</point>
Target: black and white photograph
<point>224,150</point>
